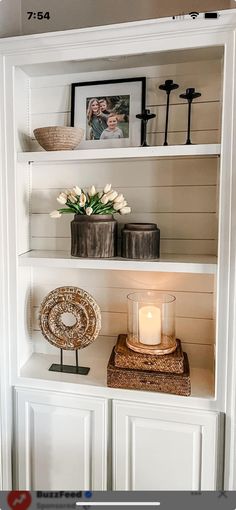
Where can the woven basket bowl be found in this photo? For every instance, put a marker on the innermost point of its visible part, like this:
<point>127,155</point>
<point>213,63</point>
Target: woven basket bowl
<point>58,138</point>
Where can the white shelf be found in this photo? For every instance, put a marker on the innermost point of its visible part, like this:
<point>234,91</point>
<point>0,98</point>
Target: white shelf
<point>96,357</point>
<point>204,264</point>
<point>121,153</point>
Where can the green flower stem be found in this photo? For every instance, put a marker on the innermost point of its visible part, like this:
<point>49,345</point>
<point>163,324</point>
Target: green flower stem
<point>74,207</point>
<point>94,199</point>
<point>66,211</point>
<point>105,210</point>
<point>97,208</point>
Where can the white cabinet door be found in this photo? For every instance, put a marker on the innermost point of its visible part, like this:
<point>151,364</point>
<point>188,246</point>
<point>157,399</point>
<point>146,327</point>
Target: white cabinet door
<point>158,448</point>
<point>61,441</point>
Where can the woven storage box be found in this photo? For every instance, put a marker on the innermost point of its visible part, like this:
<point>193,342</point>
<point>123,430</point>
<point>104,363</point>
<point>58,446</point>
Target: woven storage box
<point>126,358</point>
<point>177,384</point>
<point>58,138</point>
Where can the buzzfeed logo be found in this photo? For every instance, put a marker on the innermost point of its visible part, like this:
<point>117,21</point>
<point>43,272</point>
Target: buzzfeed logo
<point>19,500</point>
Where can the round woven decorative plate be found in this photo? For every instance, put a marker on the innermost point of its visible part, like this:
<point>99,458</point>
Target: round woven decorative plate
<point>80,306</point>
<point>167,346</point>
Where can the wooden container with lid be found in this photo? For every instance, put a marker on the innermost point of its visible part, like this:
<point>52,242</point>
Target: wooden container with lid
<point>140,241</point>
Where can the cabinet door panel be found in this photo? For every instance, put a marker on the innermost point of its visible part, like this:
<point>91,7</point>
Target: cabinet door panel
<point>163,449</point>
<point>159,447</point>
<point>61,441</point>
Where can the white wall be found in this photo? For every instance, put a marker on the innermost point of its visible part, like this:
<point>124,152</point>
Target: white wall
<point>10,17</point>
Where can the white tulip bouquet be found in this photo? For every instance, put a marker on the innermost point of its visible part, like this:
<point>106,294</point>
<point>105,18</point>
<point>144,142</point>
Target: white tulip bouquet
<point>78,201</point>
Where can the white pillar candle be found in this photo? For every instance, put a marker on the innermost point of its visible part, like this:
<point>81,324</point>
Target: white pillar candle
<point>150,325</point>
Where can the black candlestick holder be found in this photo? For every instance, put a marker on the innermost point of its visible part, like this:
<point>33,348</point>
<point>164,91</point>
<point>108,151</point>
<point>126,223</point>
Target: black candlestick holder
<point>190,95</point>
<point>145,116</point>
<point>168,86</point>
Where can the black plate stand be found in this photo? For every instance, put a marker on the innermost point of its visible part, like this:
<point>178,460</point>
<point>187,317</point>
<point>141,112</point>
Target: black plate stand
<point>69,369</point>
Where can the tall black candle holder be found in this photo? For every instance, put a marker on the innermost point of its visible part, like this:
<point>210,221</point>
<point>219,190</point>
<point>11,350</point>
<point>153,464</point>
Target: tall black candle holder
<point>145,116</point>
<point>168,86</point>
<point>190,95</point>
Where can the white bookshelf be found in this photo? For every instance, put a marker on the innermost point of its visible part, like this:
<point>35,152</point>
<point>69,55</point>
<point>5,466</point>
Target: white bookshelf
<point>187,190</point>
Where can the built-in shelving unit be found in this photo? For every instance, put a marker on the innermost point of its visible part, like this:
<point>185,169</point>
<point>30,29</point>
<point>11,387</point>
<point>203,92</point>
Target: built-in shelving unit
<point>174,186</point>
<point>122,153</point>
<point>187,190</point>
<point>202,264</point>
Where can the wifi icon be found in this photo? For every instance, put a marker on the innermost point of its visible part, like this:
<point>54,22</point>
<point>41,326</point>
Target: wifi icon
<point>194,14</point>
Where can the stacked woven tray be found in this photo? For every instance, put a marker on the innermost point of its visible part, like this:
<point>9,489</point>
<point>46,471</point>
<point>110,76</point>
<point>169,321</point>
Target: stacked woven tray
<point>167,374</point>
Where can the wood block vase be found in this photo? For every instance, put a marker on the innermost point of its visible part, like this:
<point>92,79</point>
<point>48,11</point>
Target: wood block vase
<point>93,236</point>
<point>140,241</point>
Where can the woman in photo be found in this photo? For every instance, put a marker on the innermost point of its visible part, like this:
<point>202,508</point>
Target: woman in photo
<point>112,131</point>
<point>96,119</point>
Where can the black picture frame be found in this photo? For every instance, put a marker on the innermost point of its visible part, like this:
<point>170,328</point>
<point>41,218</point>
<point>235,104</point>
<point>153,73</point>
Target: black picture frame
<point>125,96</point>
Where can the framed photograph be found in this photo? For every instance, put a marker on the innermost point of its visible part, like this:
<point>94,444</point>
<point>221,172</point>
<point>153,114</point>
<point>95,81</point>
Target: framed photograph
<point>107,110</point>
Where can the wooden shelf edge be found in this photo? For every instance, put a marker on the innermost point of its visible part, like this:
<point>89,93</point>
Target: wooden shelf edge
<point>202,264</point>
<point>121,153</point>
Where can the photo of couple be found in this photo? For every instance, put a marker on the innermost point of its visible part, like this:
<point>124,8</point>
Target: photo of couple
<point>107,117</point>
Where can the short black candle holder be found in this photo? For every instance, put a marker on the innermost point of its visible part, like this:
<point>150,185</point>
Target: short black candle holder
<point>145,116</point>
<point>190,95</point>
<point>168,86</point>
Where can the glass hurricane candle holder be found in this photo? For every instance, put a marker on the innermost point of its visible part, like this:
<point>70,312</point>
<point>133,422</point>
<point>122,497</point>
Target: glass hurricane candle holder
<point>151,322</point>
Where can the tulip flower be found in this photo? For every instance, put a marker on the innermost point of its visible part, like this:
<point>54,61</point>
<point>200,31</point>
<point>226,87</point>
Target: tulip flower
<point>92,191</point>
<point>125,210</point>
<point>119,206</point>
<point>112,195</point>
<point>72,199</point>
<point>77,191</point>
<point>107,188</point>
<point>55,214</point>
<point>119,198</point>
<point>62,198</point>
<point>77,201</point>
<point>82,200</point>
<point>104,199</point>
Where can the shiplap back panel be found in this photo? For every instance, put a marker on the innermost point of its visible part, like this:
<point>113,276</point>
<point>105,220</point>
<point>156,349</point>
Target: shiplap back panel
<point>194,304</point>
<point>22,109</point>
<point>51,99</point>
<point>179,195</point>
<point>23,194</point>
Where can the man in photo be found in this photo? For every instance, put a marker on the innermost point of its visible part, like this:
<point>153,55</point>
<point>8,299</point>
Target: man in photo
<point>112,131</point>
